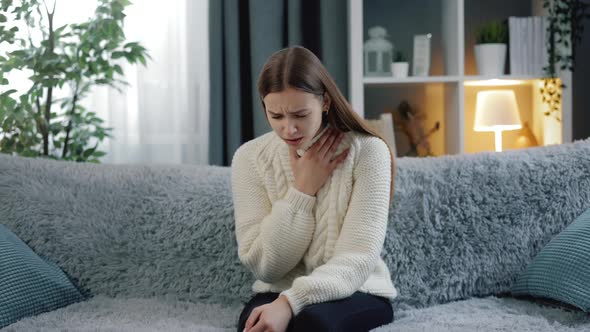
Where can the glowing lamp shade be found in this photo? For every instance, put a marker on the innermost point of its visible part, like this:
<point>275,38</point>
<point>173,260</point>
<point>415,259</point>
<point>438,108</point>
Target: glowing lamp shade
<point>496,110</point>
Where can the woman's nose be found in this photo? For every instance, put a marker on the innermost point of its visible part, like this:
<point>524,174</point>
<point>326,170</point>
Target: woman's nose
<point>291,128</point>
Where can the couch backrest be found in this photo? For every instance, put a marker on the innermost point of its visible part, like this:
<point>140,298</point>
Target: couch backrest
<point>460,226</point>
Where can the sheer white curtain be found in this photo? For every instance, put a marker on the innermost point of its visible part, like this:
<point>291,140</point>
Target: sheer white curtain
<point>163,116</point>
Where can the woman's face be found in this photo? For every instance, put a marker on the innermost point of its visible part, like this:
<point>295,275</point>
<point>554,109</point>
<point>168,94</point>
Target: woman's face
<point>295,115</point>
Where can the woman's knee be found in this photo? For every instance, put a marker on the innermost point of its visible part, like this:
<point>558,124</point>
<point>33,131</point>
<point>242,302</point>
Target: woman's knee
<point>311,318</point>
<point>324,317</point>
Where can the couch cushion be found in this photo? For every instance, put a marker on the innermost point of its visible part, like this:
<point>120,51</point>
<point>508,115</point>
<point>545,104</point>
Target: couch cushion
<point>561,271</point>
<point>29,284</point>
<point>460,226</point>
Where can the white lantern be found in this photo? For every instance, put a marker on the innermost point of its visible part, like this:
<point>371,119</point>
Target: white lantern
<point>378,53</point>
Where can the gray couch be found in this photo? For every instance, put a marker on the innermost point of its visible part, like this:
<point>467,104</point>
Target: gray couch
<point>154,245</point>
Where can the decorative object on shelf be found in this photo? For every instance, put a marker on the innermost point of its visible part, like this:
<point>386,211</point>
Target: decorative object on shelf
<point>378,52</point>
<point>490,48</point>
<point>565,29</point>
<point>410,136</point>
<point>526,35</point>
<point>526,138</point>
<point>496,110</point>
<point>421,60</point>
<point>400,65</point>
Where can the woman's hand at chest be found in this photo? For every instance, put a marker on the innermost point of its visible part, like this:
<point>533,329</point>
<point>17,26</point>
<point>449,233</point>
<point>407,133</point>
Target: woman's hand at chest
<point>312,170</point>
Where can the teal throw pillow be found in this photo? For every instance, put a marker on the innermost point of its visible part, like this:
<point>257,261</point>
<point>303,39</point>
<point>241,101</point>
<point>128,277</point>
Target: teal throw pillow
<point>561,271</point>
<point>29,285</point>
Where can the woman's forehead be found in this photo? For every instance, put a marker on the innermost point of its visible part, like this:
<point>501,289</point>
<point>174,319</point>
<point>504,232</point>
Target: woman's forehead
<point>291,100</point>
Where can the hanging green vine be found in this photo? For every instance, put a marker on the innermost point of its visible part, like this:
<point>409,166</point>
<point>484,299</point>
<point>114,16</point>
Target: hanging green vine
<point>551,95</point>
<point>565,31</point>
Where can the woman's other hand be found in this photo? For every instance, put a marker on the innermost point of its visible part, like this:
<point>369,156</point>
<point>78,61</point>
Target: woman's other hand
<point>273,317</point>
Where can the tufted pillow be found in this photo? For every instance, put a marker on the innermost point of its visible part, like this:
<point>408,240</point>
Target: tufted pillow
<point>29,285</point>
<point>561,270</point>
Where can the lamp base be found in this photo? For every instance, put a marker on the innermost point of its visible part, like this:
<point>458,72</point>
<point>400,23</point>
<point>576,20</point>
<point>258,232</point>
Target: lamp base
<point>498,138</point>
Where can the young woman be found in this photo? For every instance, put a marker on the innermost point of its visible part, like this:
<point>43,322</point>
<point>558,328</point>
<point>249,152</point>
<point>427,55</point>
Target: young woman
<point>311,205</point>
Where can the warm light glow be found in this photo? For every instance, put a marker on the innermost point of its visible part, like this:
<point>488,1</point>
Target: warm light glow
<point>494,82</point>
<point>496,110</point>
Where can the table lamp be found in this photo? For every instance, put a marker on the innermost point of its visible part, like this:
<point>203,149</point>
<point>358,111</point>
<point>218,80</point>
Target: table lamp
<point>496,110</point>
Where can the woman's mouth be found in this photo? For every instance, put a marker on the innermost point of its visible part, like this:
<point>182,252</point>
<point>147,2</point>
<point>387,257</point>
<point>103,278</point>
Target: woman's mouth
<point>294,141</point>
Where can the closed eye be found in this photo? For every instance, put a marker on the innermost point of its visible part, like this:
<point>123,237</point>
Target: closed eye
<point>280,116</point>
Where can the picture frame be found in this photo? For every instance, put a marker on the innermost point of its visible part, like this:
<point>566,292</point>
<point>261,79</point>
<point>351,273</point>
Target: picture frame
<point>421,58</point>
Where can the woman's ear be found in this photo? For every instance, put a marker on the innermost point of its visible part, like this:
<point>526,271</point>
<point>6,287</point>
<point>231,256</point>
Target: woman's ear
<point>327,102</point>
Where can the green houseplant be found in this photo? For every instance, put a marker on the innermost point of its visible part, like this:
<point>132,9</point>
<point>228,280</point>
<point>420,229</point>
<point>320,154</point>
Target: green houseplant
<point>494,32</point>
<point>565,30</point>
<point>400,65</point>
<point>399,56</point>
<point>74,57</point>
<point>490,47</point>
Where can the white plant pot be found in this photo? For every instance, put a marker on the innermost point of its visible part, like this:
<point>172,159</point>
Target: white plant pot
<point>490,59</point>
<point>400,69</point>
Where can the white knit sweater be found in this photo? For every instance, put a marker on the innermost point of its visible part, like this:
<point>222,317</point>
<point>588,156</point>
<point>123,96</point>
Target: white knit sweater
<point>319,248</point>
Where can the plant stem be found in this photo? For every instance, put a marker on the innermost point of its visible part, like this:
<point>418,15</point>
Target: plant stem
<point>69,127</point>
<point>40,125</point>
<point>49,99</point>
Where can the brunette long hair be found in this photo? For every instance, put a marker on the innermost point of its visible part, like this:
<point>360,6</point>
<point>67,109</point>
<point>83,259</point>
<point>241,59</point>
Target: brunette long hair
<point>299,68</point>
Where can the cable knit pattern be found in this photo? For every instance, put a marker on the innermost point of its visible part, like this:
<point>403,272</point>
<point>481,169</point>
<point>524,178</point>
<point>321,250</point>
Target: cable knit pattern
<point>313,249</point>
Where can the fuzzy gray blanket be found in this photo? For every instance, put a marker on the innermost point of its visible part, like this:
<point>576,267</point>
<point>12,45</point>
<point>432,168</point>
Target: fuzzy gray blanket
<point>153,242</point>
<point>159,314</point>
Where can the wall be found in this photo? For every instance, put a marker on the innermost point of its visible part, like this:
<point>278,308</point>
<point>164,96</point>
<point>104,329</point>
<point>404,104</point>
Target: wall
<point>581,83</point>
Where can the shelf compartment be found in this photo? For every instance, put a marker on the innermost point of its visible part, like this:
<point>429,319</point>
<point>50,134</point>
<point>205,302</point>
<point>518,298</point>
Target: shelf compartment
<point>439,18</point>
<point>439,101</point>
<point>545,129</point>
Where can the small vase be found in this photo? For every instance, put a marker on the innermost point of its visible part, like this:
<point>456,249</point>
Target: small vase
<point>400,69</point>
<point>490,59</point>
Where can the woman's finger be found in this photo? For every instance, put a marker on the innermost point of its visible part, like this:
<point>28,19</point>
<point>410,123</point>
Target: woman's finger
<point>252,318</point>
<point>340,158</point>
<point>323,151</point>
<point>259,327</point>
<point>293,155</point>
<point>334,147</point>
<point>320,142</point>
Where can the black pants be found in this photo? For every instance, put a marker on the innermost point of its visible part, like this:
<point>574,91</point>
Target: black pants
<point>359,312</point>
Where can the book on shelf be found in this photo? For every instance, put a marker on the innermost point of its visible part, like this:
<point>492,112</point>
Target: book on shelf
<point>527,45</point>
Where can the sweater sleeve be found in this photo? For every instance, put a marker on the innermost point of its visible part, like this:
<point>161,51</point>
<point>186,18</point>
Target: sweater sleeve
<point>362,236</point>
<point>272,238</point>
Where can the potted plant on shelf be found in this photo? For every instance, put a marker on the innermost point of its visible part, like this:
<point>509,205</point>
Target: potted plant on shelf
<point>490,48</point>
<point>400,65</point>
